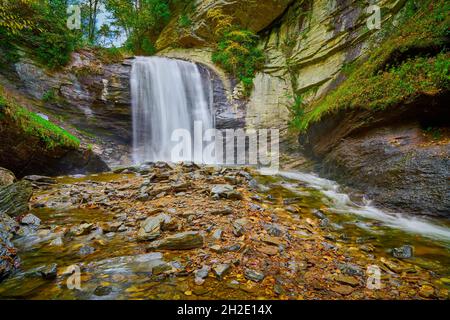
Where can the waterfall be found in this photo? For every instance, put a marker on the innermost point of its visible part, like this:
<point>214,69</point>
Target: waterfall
<point>167,95</point>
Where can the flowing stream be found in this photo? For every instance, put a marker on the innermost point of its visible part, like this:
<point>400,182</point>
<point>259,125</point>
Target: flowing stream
<point>168,97</point>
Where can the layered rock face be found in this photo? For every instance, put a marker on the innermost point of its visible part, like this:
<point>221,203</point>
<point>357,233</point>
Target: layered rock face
<point>88,94</point>
<point>252,14</point>
<point>390,158</point>
<point>13,202</point>
<point>308,44</point>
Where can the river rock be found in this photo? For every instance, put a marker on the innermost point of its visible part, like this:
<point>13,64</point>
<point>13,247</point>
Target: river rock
<point>101,291</point>
<point>14,198</point>
<point>201,275</point>
<point>150,228</point>
<point>49,272</point>
<point>225,191</point>
<point>404,252</point>
<point>239,227</point>
<point>254,275</point>
<point>6,177</point>
<point>31,220</point>
<point>217,234</point>
<point>221,270</point>
<point>81,230</point>
<point>40,180</point>
<point>57,242</point>
<point>180,241</point>
<point>222,211</point>
<point>86,250</point>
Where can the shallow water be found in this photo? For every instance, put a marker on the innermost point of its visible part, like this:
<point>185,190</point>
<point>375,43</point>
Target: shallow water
<point>351,224</point>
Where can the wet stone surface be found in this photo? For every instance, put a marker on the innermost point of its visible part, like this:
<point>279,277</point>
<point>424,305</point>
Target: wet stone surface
<point>202,232</point>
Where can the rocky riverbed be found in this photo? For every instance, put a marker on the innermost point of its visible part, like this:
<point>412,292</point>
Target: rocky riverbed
<point>161,231</point>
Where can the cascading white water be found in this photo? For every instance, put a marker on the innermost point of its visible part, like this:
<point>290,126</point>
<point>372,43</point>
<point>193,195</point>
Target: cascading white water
<point>167,95</point>
<point>341,203</point>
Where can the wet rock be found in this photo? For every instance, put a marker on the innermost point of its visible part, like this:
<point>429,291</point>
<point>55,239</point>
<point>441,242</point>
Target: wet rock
<point>217,234</point>
<point>128,264</point>
<point>291,209</point>
<point>111,226</point>
<point>9,260</point>
<point>273,241</point>
<point>426,291</point>
<point>161,268</point>
<point>347,280</point>
<point>254,275</point>
<point>40,180</point>
<point>181,186</point>
<point>233,248</point>
<point>6,177</point>
<point>58,242</point>
<point>102,291</point>
<point>343,290</point>
<point>222,211</point>
<point>269,250</point>
<point>274,229</point>
<point>319,214</point>
<point>14,198</point>
<point>239,227</point>
<point>221,270</point>
<point>49,272</point>
<point>350,269</point>
<point>404,252</point>
<point>86,250</point>
<point>81,230</point>
<point>31,220</point>
<point>324,223</point>
<point>180,241</point>
<point>150,228</point>
<point>225,191</point>
<point>201,275</point>
<point>216,248</point>
<point>256,198</point>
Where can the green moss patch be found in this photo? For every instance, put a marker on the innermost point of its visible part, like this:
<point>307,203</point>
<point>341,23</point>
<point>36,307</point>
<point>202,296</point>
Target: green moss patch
<point>31,124</point>
<point>401,69</point>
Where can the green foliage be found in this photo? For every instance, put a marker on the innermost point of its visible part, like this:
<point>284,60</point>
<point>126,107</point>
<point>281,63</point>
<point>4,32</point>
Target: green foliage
<point>297,110</point>
<point>49,96</point>
<point>41,28</point>
<point>32,124</point>
<point>111,55</point>
<point>142,23</point>
<point>404,67</point>
<point>184,21</point>
<point>238,54</point>
<point>148,47</point>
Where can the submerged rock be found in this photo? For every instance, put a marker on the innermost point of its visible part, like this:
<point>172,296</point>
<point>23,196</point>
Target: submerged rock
<point>404,252</point>
<point>49,272</point>
<point>101,291</point>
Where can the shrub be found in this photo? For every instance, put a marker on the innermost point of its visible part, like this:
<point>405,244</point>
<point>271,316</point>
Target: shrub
<point>238,54</point>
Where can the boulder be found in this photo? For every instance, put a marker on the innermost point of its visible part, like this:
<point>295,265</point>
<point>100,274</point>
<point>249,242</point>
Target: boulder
<point>6,177</point>
<point>14,198</point>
